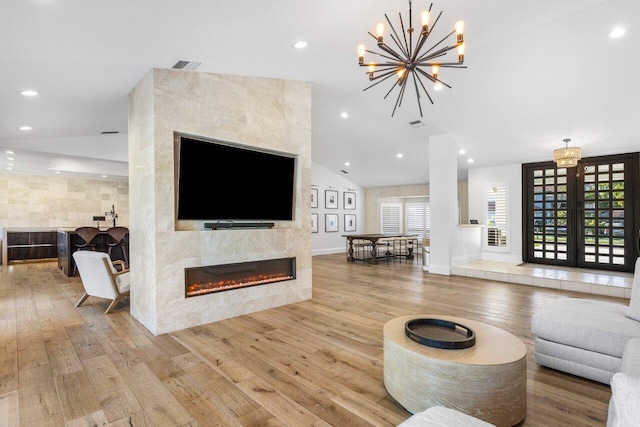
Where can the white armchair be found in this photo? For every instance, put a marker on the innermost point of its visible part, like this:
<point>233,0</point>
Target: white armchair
<point>100,277</point>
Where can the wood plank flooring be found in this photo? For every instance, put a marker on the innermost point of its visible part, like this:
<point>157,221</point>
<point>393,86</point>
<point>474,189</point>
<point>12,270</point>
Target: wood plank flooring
<point>315,363</point>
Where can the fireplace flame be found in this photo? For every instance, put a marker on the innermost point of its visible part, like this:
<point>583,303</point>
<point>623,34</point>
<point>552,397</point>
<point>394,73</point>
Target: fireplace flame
<point>223,285</point>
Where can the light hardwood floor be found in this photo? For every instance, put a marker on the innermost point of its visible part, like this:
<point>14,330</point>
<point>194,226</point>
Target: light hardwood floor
<point>315,363</point>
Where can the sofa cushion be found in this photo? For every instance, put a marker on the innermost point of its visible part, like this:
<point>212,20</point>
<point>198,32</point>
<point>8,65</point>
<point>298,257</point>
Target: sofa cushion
<point>593,325</point>
<point>634,304</point>
<point>439,416</point>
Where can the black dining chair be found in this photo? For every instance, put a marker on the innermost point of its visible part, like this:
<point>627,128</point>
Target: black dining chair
<point>85,241</point>
<point>117,237</point>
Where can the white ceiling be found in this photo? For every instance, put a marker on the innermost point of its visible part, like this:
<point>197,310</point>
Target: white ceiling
<point>538,72</point>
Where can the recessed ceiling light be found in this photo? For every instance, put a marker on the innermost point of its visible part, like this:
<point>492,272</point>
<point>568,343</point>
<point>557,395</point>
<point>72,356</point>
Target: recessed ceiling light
<point>104,176</point>
<point>10,158</point>
<point>25,128</point>
<point>347,164</point>
<point>300,44</point>
<point>344,115</point>
<point>617,32</point>
<point>399,155</point>
<point>470,161</point>
<point>437,86</point>
<point>56,172</point>
<point>9,169</point>
<point>10,164</point>
<point>461,151</point>
<point>29,92</point>
<point>9,152</point>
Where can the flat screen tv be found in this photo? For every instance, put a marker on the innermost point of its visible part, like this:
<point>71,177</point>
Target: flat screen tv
<point>219,181</point>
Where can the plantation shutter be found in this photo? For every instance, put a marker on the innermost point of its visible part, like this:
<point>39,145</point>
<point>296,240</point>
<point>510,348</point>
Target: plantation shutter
<point>391,218</point>
<point>497,220</point>
<point>418,219</point>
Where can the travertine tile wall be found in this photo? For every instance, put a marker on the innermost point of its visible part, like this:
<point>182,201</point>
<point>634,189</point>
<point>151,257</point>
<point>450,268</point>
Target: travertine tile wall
<point>43,201</point>
<point>266,113</point>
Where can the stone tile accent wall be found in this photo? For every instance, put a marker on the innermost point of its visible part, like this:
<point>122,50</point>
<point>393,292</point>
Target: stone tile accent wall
<point>257,112</point>
<point>44,201</point>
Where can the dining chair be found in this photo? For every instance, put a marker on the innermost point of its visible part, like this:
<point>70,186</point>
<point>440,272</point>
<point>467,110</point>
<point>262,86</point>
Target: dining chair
<point>117,237</point>
<point>86,241</point>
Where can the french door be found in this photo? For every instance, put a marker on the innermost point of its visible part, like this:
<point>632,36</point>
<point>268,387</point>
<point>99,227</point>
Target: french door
<point>587,216</point>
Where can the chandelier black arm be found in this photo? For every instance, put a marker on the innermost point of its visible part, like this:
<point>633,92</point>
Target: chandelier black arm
<point>390,51</point>
<point>397,39</point>
<point>430,77</point>
<point>415,84</point>
<point>421,40</point>
<point>379,54</point>
<point>435,45</point>
<point>393,86</point>
<point>376,83</point>
<point>425,89</point>
<point>386,73</point>
<point>431,57</point>
<point>437,53</point>
<point>407,50</point>
<point>397,42</point>
<point>400,96</point>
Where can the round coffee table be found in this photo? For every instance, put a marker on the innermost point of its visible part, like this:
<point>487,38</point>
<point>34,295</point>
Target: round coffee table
<point>487,381</point>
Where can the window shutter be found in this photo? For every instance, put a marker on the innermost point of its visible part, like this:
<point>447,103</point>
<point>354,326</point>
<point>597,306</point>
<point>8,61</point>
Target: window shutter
<point>497,219</point>
<point>391,218</point>
<point>418,219</point>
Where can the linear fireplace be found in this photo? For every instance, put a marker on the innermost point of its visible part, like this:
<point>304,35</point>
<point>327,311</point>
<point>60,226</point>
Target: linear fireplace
<point>219,278</point>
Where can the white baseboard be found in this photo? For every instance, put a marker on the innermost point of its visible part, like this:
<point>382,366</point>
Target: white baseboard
<point>329,251</point>
<point>443,270</point>
<point>464,259</point>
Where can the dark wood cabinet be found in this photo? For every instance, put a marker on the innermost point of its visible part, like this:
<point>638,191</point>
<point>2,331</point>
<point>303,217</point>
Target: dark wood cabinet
<point>29,244</point>
<point>66,246</point>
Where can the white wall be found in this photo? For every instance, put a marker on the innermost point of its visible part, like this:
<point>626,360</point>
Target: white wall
<point>512,176</point>
<point>330,243</point>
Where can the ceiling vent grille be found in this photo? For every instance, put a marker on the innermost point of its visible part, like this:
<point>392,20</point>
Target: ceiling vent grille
<point>416,124</point>
<point>186,65</point>
<point>109,132</point>
<point>343,171</point>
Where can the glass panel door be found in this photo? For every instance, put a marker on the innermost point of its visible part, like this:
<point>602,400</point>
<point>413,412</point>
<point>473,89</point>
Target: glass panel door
<point>587,216</point>
<point>604,209</point>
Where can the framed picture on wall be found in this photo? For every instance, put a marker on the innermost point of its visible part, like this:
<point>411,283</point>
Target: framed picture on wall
<point>331,223</point>
<point>349,222</point>
<point>349,200</point>
<point>314,197</point>
<point>314,223</point>
<point>331,199</point>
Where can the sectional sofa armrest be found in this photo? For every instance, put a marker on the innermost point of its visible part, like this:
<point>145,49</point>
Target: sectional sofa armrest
<point>631,358</point>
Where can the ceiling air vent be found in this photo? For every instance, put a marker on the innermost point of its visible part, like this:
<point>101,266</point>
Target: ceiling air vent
<point>186,65</point>
<point>416,124</point>
<point>109,132</point>
<point>343,171</point>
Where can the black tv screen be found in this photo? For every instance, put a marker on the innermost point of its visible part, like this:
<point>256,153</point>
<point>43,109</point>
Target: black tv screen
<point>217,181</point>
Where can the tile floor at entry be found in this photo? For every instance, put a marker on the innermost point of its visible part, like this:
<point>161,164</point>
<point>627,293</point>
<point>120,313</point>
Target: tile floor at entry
<point>616,284</point>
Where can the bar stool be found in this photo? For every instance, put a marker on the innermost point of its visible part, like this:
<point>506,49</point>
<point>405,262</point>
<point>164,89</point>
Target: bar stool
<point>87,235</point>
<point>117,237</point>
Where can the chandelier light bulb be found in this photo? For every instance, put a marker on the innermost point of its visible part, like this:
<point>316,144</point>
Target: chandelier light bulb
<point>400,74</point>
<point>372,69</point>
<point>437,86</point>
<point>380,32</point>
<point>434,71</point>
<point>424,18</point>
<point>460,31</point>
<point>461,48</point>
<point>361,50</point>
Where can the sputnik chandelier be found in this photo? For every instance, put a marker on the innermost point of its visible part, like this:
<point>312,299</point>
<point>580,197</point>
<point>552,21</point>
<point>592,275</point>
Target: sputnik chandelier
<point>408,62</point>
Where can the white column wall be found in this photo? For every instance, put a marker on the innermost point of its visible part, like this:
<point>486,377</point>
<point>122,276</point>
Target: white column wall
<point>443,193</point>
